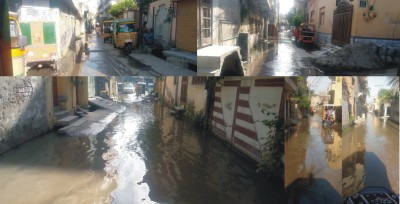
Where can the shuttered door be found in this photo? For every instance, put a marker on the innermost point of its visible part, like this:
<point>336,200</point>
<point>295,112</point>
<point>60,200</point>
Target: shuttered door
<point>186,22</point>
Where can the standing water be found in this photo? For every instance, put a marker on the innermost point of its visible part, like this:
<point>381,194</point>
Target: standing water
<point>144,156</point>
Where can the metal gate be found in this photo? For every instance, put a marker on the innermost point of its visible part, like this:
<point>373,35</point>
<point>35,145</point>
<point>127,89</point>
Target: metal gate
<point>342,18</point>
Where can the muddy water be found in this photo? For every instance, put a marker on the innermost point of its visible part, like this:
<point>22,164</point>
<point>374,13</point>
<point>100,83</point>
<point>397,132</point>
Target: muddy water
<point>371,155</point>
<point>313,162</point>
<point>144,156</point>
<point>280,57</point>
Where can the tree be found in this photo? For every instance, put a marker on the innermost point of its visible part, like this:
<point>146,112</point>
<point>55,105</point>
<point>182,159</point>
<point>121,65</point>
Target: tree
<point>295,17</point>
<point>123,5</point>
<point>385,95</point>
<point>394,86</point>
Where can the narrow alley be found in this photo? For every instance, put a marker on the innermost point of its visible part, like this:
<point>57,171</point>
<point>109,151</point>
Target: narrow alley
<point>145,155</point>
<point>313,162</point>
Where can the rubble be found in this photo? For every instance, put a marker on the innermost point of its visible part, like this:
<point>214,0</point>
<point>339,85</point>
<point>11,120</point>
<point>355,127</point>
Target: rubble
<point>354,57</point>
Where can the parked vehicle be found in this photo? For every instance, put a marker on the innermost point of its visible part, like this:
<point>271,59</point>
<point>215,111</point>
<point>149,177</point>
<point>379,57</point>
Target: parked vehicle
<point>142,89</point>
<point>306,34</point>
<point>41,31</point>
<point>18,43</point>
<point>125,35</point>
<point>128,88</point>
<point>107,30</point>
<point>328,114</point>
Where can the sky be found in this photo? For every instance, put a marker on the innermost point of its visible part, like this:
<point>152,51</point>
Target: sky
<point>285,6</point>
<point>375,84</point>
<point>319,84</point>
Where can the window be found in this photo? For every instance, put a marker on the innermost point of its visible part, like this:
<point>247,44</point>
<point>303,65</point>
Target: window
<point>205,22</point>
<point>199,80</point>
<point>322,16</point>
<point>312,16</point>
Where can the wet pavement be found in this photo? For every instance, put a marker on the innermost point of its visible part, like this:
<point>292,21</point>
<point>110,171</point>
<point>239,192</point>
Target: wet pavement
<point>105,60</point>
<point>281,57</point>
<point>371,155</point>
<point>145,155</point>
<point>313,162</point>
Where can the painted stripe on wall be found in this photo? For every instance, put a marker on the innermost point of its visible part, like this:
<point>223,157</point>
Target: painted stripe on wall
<point>244,110</point>
<point>218,120</point>
<point>248,140</point>
<point>217,89</point>
<point>244,97</point>
<point>232,83</point>
<point>243,103</point>
<point>245,117</point>
<point>247,132</point>
<point>217,99</point>
<point>217,94</point>
<point>218,109</point>
<point>217,104</point>
<point>248,147</point>
<point>244,90</point>
<point>218,115</point>
<point>270,82</point>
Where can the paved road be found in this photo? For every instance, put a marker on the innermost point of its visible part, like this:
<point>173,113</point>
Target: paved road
<point>105,60</point>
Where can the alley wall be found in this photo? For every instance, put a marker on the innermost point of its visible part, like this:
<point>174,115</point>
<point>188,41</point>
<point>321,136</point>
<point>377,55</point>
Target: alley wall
<point>26,109</point>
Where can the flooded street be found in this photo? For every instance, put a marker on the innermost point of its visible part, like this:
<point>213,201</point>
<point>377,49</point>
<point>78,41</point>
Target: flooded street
<point>281,57</point>
<point>105,60</point>
<point>144,156</point>
<point>313,162</point>
<point>371,155</point>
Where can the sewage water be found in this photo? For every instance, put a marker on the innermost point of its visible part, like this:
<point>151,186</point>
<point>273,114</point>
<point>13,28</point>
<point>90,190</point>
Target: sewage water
<point>145,155</point>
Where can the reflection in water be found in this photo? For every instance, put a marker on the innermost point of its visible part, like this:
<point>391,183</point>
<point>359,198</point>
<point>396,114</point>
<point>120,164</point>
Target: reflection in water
<point>144,156</point>
<point>371,153</point>
<point>313,162</point>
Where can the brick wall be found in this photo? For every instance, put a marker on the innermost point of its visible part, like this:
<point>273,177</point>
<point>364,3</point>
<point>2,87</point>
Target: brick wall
<point>26,109</point>
<point>186,38</point>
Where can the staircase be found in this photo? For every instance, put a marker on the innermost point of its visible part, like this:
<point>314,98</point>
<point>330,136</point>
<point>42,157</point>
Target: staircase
<point>66,120</point>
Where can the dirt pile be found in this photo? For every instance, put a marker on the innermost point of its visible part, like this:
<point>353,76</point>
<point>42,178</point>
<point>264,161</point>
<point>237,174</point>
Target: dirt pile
<point>357,56</point>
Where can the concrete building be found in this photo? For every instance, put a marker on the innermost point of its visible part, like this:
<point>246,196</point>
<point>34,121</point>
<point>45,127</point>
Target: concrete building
<point>103,8</point>
<point>33,105</point>
<point>27,109</point>
<point>179,91</point>
<point>343,22</point>
<point>229,30</point>
<point>175,30</point>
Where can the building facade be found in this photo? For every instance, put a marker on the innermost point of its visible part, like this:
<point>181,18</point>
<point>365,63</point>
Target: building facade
<point>342,22</point>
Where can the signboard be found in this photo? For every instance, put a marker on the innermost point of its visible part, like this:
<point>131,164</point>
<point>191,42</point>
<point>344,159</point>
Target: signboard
<point>363,3</point>
<point>28,14</point>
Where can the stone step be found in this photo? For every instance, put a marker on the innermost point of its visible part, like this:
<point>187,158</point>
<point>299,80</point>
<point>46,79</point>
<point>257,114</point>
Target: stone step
<point>77,123</point>
<point>61,114</point>
<point>67,120</point>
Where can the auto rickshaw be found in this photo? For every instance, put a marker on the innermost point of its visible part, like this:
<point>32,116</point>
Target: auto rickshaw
<point>124,35</point>
<point>107,30</point>
<point>306,34</point>
<point>328,114</point>
<point>18,43</point>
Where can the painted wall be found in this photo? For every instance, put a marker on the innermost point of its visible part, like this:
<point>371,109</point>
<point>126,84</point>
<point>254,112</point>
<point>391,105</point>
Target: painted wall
<point>381,29</point>
<point>226,20</point>
<point>26,109</point>
<point>237,111</point>
<point>383,25</point>
<point>66,89</point>
<point>158,12</point>
<point>195,93</point>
